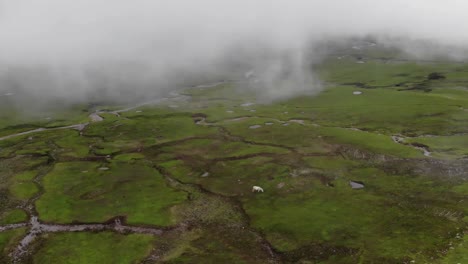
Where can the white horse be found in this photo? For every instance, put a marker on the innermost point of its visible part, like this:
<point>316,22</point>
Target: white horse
<point>257,189</point>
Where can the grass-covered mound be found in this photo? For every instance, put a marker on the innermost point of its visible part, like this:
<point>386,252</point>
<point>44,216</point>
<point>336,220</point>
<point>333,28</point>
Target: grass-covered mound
<point>92,192</point>
<point>106,247</point>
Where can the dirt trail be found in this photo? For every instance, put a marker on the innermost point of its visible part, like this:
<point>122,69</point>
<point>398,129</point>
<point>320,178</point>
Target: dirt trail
<point>95,117</point>
<point>78,127</point>
<point>210,85</point>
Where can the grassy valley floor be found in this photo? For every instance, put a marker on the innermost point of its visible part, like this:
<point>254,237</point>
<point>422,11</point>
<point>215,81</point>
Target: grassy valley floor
<point>172,182</point>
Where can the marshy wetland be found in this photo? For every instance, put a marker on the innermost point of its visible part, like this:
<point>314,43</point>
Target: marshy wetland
<point>373,169</point>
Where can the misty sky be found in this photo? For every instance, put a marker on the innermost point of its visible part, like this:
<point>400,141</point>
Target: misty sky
<point>70,47</point>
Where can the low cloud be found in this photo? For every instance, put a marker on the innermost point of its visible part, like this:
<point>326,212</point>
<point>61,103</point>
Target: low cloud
<point>128,50</point>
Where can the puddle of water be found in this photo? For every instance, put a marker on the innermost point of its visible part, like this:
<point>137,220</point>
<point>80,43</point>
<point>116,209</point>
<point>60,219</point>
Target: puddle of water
<point>236,119</point>
<point>297,121</point>
<point>255,126</point>
<point>249,74</point>
<point>356,185</point>
<point>95,117</point>
<point>425,152</point>
<point>201,122</point>
<point>398,139</point>
<point>80,127</point>
<point>209,85</point>
<point>357,92</point>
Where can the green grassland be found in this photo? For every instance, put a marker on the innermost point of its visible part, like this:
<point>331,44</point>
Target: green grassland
<point>13,216</point>
<point>8,241</point>
<point>93,195</point>
<point>94,248</point>
<point>188,166</point>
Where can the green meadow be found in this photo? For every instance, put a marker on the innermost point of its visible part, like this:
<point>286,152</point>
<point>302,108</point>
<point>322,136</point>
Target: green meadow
<point>189,171</point>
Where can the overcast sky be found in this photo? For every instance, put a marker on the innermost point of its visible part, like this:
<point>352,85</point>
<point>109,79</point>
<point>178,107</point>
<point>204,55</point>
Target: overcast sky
<point>72,36</point>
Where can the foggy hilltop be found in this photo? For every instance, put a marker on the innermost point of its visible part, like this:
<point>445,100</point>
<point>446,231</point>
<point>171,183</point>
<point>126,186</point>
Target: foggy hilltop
<point>77,51</point>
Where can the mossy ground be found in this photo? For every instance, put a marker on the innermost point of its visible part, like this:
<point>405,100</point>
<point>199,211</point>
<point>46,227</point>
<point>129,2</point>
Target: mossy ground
<point>85,192</point>
<point>107,247</point>
<point>13,216</point>
<point>8,241</point>
<point>194,165</point>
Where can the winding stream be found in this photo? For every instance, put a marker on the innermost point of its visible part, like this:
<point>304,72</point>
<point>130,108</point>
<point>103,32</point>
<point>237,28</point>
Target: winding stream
<point>38,228</point>
<point>12,226</point>
<point>78,127</point>
<point>397,139</point>
<point>401,140</point>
